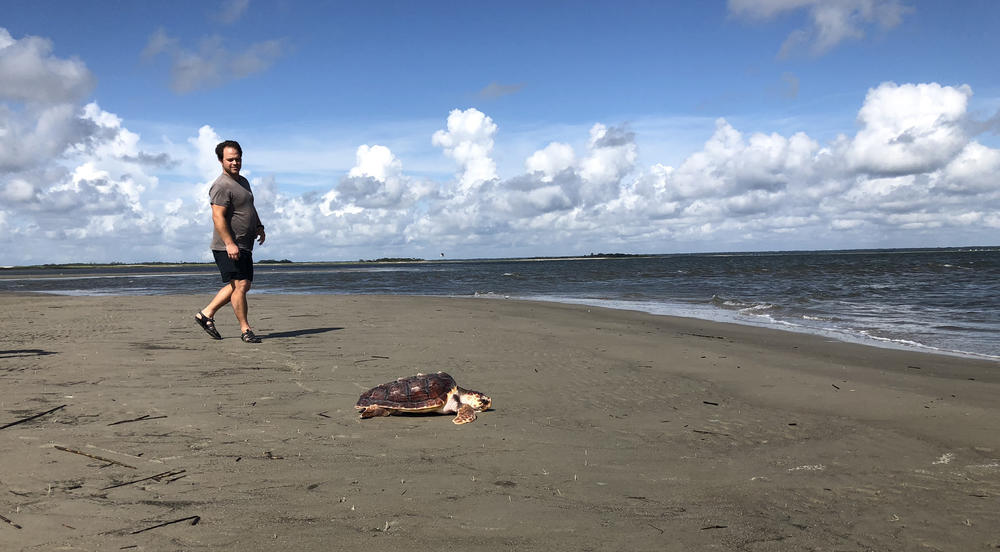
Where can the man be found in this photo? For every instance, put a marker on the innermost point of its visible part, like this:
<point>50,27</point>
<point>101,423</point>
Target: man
<point>236,227</point>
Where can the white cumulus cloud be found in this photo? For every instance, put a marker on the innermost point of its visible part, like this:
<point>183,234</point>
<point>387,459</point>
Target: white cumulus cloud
<point>469,141</point>
<point>376,180</point>
<point>909,128</point>
<point>551,160</point>
<point>32,74</point>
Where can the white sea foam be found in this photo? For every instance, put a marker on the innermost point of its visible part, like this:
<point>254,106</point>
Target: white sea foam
<point>707,312</point>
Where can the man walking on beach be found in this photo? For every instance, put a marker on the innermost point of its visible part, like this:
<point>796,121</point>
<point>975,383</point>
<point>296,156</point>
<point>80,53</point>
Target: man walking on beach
<point>236,227</point>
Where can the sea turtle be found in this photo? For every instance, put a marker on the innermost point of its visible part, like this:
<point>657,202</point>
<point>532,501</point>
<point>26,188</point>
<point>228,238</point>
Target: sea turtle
<point>423,393</point>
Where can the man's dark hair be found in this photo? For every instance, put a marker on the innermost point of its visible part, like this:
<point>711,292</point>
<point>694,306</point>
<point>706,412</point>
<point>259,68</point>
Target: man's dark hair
<point>228,144</point>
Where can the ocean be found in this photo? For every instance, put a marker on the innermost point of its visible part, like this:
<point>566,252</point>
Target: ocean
<point>937,300</point>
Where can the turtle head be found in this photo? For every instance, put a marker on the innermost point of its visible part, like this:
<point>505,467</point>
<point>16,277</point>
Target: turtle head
<point>478,401</point>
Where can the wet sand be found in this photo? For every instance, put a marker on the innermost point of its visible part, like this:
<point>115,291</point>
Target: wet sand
<point>611,430</point>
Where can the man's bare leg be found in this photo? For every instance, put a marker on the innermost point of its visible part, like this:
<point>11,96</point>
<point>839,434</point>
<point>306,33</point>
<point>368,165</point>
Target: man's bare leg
<point>238,298</point>
<point>221,298</point>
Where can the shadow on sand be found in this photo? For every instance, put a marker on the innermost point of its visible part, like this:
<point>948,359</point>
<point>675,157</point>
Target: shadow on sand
<point>299,333</point>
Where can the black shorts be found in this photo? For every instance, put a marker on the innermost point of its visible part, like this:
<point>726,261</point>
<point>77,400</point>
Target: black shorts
<point>240,269</point>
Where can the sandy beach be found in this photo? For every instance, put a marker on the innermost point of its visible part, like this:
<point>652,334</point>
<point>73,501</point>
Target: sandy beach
<point>611,430</point>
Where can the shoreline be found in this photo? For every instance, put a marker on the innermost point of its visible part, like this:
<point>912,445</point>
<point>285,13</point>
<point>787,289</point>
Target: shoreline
<point>611,429</point>
<point>653,309</point>
<point>936,303</point>
<point>778,326</point>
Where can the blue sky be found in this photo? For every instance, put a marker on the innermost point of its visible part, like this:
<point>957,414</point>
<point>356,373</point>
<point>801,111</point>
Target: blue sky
<point>481,129</point>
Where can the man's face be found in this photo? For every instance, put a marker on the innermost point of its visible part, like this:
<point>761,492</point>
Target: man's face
<point>231,161</point>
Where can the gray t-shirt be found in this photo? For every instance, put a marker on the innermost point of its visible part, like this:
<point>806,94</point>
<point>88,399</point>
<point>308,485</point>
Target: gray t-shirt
<point>241,215</point>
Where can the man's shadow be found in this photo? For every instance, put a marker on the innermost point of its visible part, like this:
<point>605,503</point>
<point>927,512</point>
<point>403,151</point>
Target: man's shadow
<point>299,333</point>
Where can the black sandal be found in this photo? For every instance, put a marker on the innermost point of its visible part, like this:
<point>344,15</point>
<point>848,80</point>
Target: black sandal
<point>249,337</point>
<point>207,324</point>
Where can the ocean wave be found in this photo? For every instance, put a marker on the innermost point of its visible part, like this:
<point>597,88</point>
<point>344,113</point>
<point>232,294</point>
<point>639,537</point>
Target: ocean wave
<point>490,294</point>
<point>814,318</point>
<point>834,328</point>
<point>745,307</point>
<point>963,329</point>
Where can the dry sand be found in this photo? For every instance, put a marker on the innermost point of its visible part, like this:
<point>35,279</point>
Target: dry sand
<point>611,430</point>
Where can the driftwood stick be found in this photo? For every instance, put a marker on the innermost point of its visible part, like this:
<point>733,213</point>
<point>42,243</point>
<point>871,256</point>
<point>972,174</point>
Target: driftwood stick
<point>143,417</point>
<point>29,418</point>
<point>706,432</point>
<point>16,526</point>
<point>139,419</point>
<point>193,519</point>
<point>157,477</point>
<point>95,457</point>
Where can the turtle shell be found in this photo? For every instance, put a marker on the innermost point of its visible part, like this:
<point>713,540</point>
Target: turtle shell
<point>419,392</point>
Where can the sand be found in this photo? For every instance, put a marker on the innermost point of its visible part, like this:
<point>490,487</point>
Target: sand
<point>611,430</point>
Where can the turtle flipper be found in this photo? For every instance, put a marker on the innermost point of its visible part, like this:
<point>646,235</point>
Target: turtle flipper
<point>465,415</point>
<point>374,410</point>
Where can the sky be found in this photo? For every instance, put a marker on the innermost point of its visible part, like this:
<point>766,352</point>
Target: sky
<point>455,129</point>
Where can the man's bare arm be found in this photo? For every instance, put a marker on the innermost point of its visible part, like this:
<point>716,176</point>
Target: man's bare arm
<point>219,219</point>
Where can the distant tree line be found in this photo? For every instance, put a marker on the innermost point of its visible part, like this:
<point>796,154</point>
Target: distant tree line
<point>614,255</point>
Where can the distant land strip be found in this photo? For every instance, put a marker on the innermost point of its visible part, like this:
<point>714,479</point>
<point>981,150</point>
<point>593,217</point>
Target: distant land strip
<point>116,264</point>
<point>72,266</point>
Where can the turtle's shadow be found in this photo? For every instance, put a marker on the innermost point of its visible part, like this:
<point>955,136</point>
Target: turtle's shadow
<point>299,333</point>
<point>402,414</point>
